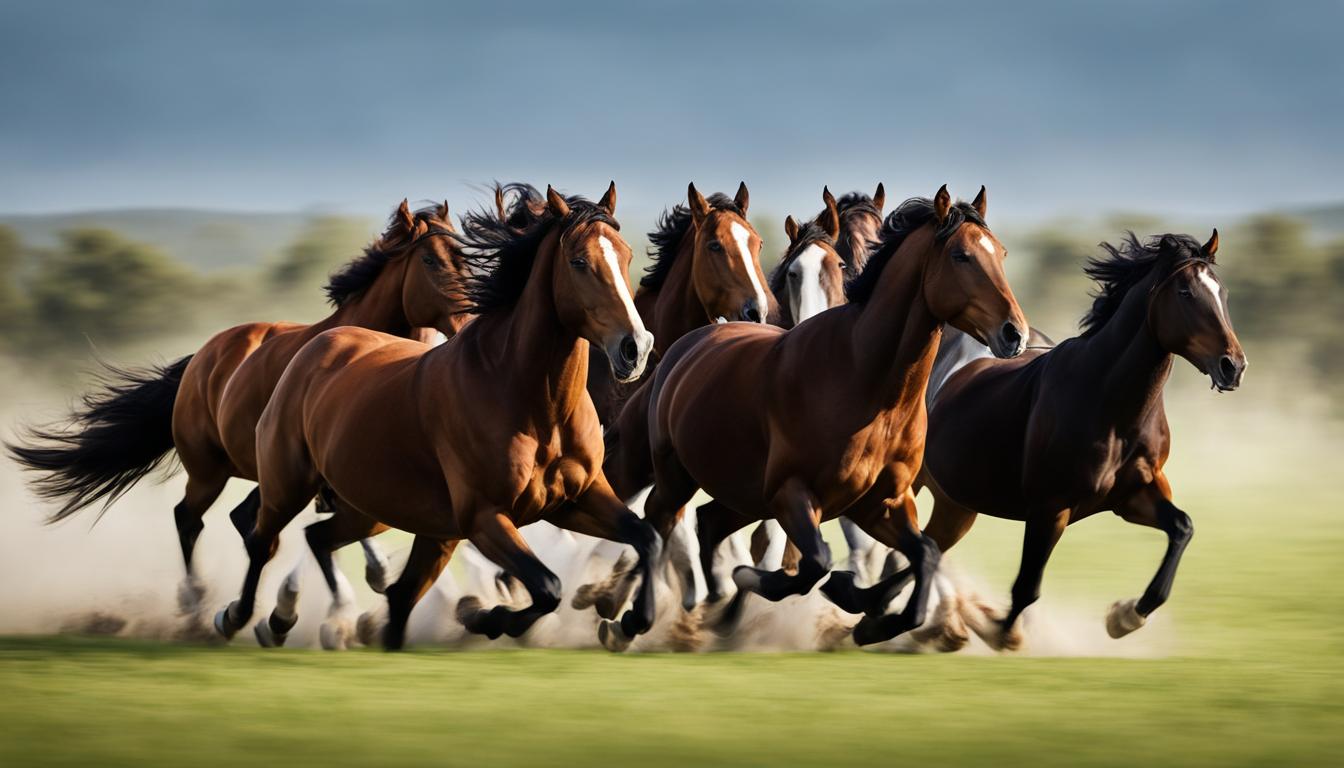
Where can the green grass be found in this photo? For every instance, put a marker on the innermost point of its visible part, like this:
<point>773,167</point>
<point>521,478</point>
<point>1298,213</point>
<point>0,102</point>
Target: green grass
<point>1253,674</point>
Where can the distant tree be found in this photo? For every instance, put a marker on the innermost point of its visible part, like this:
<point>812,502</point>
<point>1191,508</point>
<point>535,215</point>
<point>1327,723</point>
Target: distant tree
<point>100,285</point>
<point>11,298</point>
<point>325,244</point>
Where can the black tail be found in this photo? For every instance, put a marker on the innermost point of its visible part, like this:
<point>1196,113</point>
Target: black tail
<point>121,432</point>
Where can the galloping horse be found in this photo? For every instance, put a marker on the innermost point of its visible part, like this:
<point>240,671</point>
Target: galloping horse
<point>1053,437</point>
<point>206,405</point>
<point>474,438</point>
<point>827,418</point>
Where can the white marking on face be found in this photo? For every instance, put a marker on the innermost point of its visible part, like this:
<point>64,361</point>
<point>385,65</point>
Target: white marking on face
<point>742,236</point>
<point>987,244</point>
<point>809,298</point>
<point>1206,279</point>
<point>622,290</point>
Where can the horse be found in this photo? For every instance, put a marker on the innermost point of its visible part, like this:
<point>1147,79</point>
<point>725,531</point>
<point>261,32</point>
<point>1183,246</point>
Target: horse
<point>474,438</point>
<point>206,405</point>
<point>517,205</point>
<point>1059,435</point>
<point>827,418</point>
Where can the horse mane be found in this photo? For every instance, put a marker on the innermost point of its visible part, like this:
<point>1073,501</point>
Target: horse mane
<point>1126,265</point>
<point>523,203</point>
<point>355,277</point>
<point>857,202</point>
<point>666,237</point>
<point>499,256</point>
<point>809,234</point>
<point>908,217</point>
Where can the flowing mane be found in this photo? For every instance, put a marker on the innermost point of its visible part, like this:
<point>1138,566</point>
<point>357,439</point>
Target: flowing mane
<point>355,277</point>
<point>908,217</point>
<point>1128,264</point>
<point>523,203</point>
<point>809,234</point>
<point>665,239</point>
<point>852,203</point>
<point>499,256</point>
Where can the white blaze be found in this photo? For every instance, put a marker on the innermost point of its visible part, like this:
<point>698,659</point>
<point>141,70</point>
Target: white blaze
<point>987,244</point>
<point>810,298</point>
<point>622,290</point>
<point>743,237</point>
<point>1207,280</point>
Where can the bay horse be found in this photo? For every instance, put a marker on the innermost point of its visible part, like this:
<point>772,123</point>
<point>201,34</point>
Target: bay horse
<point>206,405</point>
<point>1056,436</point>
<point>474,438</point>
<point>827,418</point>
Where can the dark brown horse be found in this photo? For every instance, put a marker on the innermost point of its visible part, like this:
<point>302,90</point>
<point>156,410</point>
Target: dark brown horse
<point>827,418</point>
<point>1056,436</point>
<point>474,438</point>
<point>206,406</point>
<point>706,266</point>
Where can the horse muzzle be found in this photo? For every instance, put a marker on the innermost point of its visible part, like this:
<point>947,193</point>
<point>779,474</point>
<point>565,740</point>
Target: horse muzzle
<point>1226,373</point>
<point>1008,341</point>
<point>629,354</point>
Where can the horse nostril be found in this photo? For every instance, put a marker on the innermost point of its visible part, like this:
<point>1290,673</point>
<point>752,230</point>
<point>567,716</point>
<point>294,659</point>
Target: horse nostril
<point>1228,368</point>
<point>629,350</point>
<point>750,312</point>
<point>1011,336</point>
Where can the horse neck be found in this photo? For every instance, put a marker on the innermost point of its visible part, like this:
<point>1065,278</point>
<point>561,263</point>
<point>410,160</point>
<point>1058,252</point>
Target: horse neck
<point>1130,367</point>
<point>677,309</point>
<point>895,336</point>
<point>379,307</point>
<point>547,363</point>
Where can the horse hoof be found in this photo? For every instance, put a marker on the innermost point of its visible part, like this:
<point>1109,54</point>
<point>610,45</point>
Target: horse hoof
<point>866,632</point>
<point>337,634</point>
<point>747,578</point>
<point>376,578</point>
<point>468,613</point>
<point>189,595</point>
<point>611,636</point>
<point>584,597</point>
<point>267,637</point>
<point>369,627</point>
<point>223,624</point>
<point>1123,618</point>
<point>840,590</point>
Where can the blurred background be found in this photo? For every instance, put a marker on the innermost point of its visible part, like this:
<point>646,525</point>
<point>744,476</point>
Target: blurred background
<point>169,169</point>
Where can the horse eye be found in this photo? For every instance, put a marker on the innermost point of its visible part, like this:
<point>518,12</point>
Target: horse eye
<point>715,245</point>
<point>578,263</point>
<point>794,276</point>
<point>1186,292</point>
<point>428,258</point>
<point>960,257</point>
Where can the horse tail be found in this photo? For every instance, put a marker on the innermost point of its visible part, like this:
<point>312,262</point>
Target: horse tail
<point>119,433</point>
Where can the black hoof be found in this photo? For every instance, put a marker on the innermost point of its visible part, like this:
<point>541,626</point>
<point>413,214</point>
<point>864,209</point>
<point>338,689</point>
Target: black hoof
<point>840,589</point>
<point>867,631</point>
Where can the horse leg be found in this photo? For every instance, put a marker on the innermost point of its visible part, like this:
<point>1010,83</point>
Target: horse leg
<point>1043,530</point>
<point>899,529</point>
<point>376,564</point>
<point>715,522</point>
<point>682,554</point>
<point>861,548</point>
<point>795,508</point>
<point>200,494</point>
<point>498,539</point>
<point>261,544</point>
<point>427,560</point>
<point>1152,508</point>
<point>599,512</point>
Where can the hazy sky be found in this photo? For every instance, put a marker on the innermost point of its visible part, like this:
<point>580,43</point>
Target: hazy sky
<point>1069,107</point>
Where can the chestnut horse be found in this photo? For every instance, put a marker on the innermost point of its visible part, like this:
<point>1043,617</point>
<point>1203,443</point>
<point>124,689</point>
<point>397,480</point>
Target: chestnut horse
<point>206,405</point>
<point>827,418</point>
<point>474,438</point>
<point>1056,436</point>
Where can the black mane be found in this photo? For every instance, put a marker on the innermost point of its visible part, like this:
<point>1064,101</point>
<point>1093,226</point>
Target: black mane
<point>908,217</point>
<point>499,256</point>
<point>857,202</point>
<point>1128,264</point>
<point>809,234</point>
<point>666,237</point>
<point>523,203</point>
<point>355,277</point>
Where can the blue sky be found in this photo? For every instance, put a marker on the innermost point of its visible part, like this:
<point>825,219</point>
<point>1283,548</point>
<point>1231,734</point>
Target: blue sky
<point>1060,108</point>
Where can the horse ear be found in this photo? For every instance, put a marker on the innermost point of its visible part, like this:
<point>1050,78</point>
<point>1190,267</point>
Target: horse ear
<point>942,204</point>
<point>699,205</point>
<point>1210,248</point>
<point>404,215</point>
<point>830,218</point>
<point>608,201</point>
<point>981,202</point>
<point>827,199</point>
<point>499,202</point>
<point>742,198</point>
<point>791,229</point>
<point>555,202</point>
<point>880,197</point>
<point>442,213</point>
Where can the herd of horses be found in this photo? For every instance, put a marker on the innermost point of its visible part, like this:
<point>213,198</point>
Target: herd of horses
<point>883,355</point>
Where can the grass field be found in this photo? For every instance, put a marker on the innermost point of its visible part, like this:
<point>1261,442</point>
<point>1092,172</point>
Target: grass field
<point>1245,667</point>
